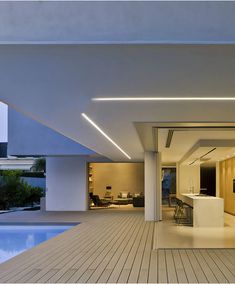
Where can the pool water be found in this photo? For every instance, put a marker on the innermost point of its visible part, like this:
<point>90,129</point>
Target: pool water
<point>17,239</point>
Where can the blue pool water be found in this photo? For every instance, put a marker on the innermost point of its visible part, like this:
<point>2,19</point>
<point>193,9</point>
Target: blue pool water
<point>16,239</point>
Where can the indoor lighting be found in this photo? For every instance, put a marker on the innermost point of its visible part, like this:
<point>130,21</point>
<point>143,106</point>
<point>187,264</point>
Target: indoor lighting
<point>105,135</point>
<point>166,99</point>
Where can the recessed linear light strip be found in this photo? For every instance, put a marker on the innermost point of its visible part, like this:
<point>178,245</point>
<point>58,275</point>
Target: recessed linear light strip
<point>167,99</point>
<point>105,135</point>
<point>202,156</point>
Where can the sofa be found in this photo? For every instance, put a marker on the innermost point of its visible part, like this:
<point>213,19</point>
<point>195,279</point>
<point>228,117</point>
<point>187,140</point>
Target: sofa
<point>125,196</point>
<point>138,201</point>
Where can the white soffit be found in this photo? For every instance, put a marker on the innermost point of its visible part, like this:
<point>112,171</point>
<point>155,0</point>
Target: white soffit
<point>59,82</point>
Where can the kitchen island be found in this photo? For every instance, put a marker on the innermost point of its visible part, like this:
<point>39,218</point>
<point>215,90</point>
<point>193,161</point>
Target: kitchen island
<point>208,211</point>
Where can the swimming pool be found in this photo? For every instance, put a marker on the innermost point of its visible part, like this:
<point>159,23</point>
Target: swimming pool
<point>17,239</point>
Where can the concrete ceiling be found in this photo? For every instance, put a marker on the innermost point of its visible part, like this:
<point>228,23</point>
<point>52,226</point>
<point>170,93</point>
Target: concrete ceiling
<point>188,145</point>
<point>205,155</point>
<point>55,84</point>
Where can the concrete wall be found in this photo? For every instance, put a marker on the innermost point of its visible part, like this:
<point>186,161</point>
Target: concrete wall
<point>27,137</point>
<point>3,120</point>
<point>139,21</point>
<point>153,186</point>
<point>188,176</point>
<point>121,176</point>
<point>66,183</point>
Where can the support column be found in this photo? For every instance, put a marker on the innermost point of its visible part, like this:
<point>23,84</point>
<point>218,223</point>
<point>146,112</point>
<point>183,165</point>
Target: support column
<point>153,186</point>
<point>66,184</point>
<point>177,180</point>
<point>159,186</point>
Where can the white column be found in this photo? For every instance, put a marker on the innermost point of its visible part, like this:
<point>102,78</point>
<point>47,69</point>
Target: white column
<point>66,183</point>
<point>159,186</point>
<point>177,180</point>
<point>153,189</point>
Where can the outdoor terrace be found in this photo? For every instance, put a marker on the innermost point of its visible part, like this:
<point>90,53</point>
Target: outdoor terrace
<point>110,246</point>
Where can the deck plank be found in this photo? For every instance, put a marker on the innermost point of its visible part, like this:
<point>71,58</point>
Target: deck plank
<point>180,271</point>
<point>188,267</point>
<point>105,275</point>
<point>227,260</point>
<point>213,267</point>
<point>111,247</point>
<point>114,276</point>
<point>196,267</point>
<point>135,270</point>
<point>124,276</point>
<point>153,267</point>
<point>222,264</point>
<point>162,266</point>
<point>103,263</point>
<point>79,255</point>
<point>144,270</point>
<point>47,253</point>
<point>206,269</point>
<point>45,264</point>
<point>170,264</point>
<point>115,241</point>
<point>91,256</point>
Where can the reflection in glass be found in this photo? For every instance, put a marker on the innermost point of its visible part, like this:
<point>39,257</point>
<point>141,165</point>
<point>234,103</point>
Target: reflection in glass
<point>17,239</point>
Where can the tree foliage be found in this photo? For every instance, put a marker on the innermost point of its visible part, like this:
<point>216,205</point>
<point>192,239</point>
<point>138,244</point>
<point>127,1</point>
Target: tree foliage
<point>14,192</point>
<point>39,165</point>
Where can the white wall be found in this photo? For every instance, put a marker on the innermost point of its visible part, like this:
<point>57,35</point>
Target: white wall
<point>188,176</point>
<point>120,176</point>
<point>3,122</point>
<point>66,182</point>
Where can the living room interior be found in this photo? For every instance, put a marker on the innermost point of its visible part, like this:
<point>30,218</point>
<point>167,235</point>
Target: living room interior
<point>116,184</point>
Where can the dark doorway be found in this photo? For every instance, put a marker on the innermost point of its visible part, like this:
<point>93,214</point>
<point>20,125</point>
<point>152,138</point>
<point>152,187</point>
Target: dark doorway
<point>208,180</point>
<point>168,184</point>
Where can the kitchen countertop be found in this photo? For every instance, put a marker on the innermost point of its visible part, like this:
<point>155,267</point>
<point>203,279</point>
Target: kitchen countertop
<point>208,211</point>
<point>196,196</point>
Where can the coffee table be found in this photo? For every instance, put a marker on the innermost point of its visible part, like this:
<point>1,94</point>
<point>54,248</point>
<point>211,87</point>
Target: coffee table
<point>120,201</point>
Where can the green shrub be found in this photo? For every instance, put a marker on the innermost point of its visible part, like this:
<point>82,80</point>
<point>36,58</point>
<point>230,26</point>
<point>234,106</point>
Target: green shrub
<point>39,165</point>
<point>14,192</point>
<point>33,174</point>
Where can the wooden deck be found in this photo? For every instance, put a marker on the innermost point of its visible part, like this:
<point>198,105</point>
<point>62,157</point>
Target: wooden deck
<point>114,247</point>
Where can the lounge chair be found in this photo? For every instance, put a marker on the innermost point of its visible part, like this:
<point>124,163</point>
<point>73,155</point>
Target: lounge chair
<point>98,202</point>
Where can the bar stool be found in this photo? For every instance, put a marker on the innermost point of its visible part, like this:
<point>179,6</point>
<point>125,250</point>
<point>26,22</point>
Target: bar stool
<point>183,213</point>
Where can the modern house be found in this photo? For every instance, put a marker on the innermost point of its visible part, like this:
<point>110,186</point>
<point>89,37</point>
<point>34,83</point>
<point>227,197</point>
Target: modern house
<point>132,105</point>
<point>140,82</point>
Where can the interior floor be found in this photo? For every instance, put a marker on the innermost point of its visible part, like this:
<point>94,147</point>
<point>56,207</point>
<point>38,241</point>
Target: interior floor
<point>168,234</point>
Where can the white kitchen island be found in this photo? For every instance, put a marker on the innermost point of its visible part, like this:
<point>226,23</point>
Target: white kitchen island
<point>208,211</point>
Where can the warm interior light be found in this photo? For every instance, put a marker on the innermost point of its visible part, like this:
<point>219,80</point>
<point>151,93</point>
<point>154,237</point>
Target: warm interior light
<point>166,99</point>
<point>105,135</point>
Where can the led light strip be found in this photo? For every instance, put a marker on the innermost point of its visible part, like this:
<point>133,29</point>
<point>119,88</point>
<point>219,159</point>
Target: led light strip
<point>167,99</point>
<point>105,135</point>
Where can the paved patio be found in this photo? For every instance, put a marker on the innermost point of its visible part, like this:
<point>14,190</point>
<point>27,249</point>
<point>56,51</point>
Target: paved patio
<point>111,246</point>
